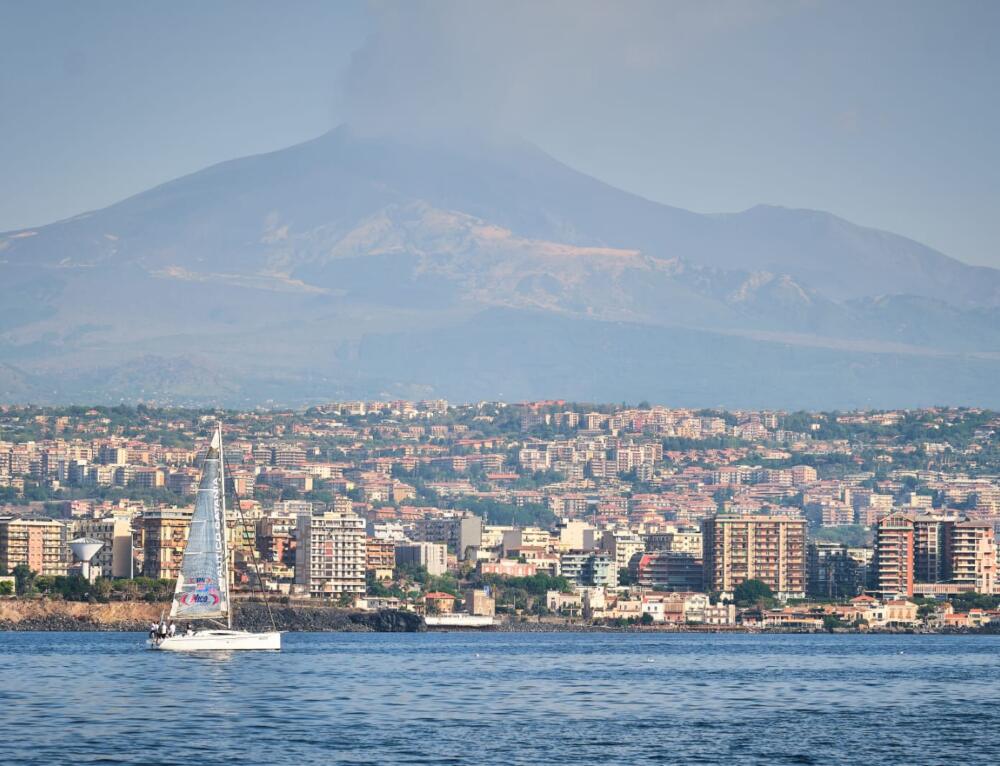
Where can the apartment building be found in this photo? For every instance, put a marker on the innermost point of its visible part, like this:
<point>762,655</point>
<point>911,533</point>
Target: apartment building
<point>38,542</point>
<point>836,570</point>
<point>525,537</point>
<point>276,538</point>
<point>164,535</point>
<point>576,535</point>
<point>767,548</point>
<point>330,555</point>
<point>460,531</point>
<point>380,558</point>
<point>668,571</point>
<point>432,556</point>
<point>972,556</point>
<point>931,540</point>
<point>680,540</point>
<point>933,554</point>
<point>894,561</point>
<point>589,568</point>
<point>622,544</point>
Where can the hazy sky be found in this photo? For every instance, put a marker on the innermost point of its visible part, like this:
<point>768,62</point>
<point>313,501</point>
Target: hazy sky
<point>884,112</point>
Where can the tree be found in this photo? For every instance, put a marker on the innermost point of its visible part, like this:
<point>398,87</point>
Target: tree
<point>24,580</point>
<point>646,619</point>
<point>751,592</point>
<point>6,588</point>
<point>831,621</point>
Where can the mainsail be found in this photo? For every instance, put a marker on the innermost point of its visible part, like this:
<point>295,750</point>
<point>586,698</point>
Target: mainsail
<point>203,584</point>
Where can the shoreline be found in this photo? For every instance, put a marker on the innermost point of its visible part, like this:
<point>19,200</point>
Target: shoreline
<point>48,615</point>
<point>136,617</point>
<point>334,620</point>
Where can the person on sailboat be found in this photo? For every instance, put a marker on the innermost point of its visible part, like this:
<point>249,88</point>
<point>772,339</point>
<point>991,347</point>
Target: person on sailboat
<point>172,629</point>
<point>153,629</point>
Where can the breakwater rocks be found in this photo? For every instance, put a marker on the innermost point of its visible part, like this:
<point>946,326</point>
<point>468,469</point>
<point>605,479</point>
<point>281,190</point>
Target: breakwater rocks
<point>70,616</point>
<point>253,616</point>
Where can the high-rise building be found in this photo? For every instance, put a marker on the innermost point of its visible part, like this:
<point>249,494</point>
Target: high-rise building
<point>38,542</point>
<point>330,554</point>
<point>972,559</point>
<point>767,548</point>
<point>892,567</point>
<point>935,554</point>
<point>931,538</point>
<point>836,570</point>
<point>525,537</point>
<point>164,535</point>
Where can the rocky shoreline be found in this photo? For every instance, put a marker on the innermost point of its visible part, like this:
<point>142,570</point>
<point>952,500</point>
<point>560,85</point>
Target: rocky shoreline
<point>66,616</point>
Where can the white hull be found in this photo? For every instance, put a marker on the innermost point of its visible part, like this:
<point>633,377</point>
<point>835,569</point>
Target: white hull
<point>218,641</point>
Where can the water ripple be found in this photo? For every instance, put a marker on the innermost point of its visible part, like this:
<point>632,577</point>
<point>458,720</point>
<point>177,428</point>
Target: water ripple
<point>507,699</point>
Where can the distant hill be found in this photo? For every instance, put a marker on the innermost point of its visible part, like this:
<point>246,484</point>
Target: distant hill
<point>363,267</point>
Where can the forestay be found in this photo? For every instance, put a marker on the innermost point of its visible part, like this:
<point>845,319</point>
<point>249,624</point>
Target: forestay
<point>203,587</point>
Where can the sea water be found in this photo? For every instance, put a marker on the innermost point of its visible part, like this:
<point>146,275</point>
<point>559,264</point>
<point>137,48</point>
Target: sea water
<point>504,698</point>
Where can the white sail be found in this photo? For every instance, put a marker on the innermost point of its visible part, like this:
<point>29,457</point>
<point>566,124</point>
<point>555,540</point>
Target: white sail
<point>202,590</point>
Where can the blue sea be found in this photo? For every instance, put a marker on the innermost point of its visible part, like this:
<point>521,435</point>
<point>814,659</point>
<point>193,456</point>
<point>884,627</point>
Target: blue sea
<point>504,698</point>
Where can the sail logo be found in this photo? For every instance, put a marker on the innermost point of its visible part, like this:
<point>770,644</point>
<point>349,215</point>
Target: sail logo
<point>205,592</point>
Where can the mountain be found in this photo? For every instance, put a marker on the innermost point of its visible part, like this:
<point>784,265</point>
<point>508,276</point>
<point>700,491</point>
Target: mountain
<point>363,267</point>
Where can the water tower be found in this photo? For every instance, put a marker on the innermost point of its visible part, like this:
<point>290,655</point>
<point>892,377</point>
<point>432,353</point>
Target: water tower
<point>84,549</point>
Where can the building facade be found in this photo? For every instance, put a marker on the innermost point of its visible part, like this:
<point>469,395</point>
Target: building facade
<point>432,556</point>
<point>589,568</point>
<point>113,559</point>
<point>668,571</point>
<point>836,570</point>
<point>330,554</point>
<point>164,535</point>
<point>771,549</point>
<point>933,554</point>
<point>38,543</point>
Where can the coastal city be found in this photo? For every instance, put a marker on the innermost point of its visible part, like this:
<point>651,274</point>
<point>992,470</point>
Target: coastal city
<point>537,515</point>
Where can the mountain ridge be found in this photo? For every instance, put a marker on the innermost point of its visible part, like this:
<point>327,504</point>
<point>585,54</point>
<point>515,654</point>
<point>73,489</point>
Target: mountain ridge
<point>306,255</point>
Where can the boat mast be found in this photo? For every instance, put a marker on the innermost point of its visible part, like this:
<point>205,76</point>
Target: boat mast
<point>253,559</point>
<point>224,529</point>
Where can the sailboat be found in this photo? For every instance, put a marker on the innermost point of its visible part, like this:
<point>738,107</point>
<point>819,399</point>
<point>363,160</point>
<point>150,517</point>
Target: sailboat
<point>202,592</point>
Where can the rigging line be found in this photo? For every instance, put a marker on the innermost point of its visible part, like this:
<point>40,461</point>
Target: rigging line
<point>253,557</point>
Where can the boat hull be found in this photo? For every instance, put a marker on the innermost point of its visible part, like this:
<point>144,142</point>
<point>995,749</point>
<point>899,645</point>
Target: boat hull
<point>219,641</point>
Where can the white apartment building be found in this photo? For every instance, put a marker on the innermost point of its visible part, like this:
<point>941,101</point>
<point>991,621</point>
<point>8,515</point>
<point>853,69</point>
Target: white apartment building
<point>330,556</point>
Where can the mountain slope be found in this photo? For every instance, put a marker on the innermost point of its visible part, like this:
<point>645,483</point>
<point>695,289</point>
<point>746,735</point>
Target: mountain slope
<point>293,271</point>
